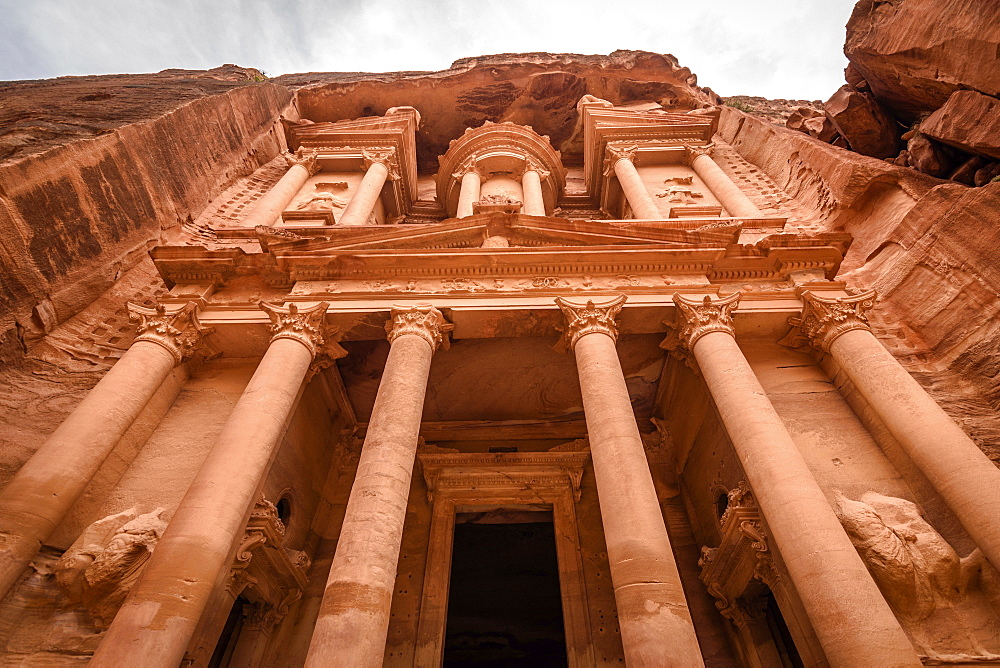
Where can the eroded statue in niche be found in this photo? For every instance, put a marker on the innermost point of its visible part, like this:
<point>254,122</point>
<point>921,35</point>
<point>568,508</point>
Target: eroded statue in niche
<point>680,194</point>
<point>323,198</point>
<point>923,578</point>
<point>101,566</point>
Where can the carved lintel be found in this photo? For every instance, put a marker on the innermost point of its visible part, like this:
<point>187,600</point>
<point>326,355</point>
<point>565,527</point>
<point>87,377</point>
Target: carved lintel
<point>691,152</point>
<point>179,331</point>
<point>383,155</point>
<point>589,318</point>
<point>824,319</point>
<point>616,151</point>
<point>304,326</point>
<point>303,158</point>
<point>695,319</point>
<point>422,320</point>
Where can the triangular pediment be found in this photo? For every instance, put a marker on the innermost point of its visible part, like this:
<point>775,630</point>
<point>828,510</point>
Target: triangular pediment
<point>520,231</point>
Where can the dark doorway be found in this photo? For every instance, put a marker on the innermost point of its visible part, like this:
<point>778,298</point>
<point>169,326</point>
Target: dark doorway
<point>504,606</point>
<point>779,632</point>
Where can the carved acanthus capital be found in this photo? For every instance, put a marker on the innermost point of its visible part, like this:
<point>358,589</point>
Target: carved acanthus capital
<point>589,318</point>
<point>691,152</point>
<point>470,166</point>
<point>695,319</point>
<point>422,320</point>
<point>385,156</point>
<point>532,165</point>
<point>824,319</point>
<point>179,331</point>
<point>304,326</point>
<point>303,158</point>
<point>616,151</point>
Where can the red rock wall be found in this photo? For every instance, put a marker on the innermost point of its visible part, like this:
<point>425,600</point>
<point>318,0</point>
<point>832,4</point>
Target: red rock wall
<point>75,217</point>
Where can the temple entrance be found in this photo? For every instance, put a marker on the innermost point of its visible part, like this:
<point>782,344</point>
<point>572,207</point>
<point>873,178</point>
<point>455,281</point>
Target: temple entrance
<point>504,603</point>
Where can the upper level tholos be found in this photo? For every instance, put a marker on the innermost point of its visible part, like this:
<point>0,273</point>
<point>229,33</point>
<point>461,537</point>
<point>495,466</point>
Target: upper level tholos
<point>640,163</point>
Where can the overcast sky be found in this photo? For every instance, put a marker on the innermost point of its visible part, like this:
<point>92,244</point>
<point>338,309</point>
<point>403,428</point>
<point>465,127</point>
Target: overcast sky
<point>774,48</point>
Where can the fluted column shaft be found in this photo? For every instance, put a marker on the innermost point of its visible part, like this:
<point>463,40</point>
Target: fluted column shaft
<point>469,194</point>
<point>353,620</point>
<point>531,187</point>
<point>732,199</point>
<point>301,166</point>
<point>655,622</point>
<point>643,206</point>
<point>954,465</point>
<point>35,501</point>
<point>159,617</point>
<point>853,622</point>
<point>380,166</point>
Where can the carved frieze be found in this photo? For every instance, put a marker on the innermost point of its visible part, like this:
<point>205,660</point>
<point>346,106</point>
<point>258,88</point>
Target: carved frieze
<point>177,330</point>
<point>824,319</point>
<point>542,473</point>
<point>589,318</point>
<point>424,321</point>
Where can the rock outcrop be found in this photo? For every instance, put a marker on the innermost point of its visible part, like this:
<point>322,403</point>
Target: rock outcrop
<point>926,73</point>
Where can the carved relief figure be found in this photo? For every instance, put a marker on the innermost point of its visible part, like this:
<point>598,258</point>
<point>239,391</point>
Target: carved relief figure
<point>99,569</point>
<point>323,199</point>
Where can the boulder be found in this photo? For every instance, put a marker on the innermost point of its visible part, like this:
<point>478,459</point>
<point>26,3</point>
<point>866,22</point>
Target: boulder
<point>927,156</point>
<point>915,53</point>
<point>969,121</point>
<point>813,122</point>
<point>865,125</point>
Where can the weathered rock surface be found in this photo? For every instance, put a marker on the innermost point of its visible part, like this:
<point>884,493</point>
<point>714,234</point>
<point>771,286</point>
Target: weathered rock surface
<point>77,215</point>
<point>776,111</point>
<point>969,121</point>
<point>859,119</point>
<point>915,53</point>
<point>813,122</point>
<point>536,89</point>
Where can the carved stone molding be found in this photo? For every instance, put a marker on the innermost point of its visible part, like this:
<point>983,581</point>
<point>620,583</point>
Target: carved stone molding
<point>422,320</point>
<point>178,330</point>
<point>302,325</point>
<point>384,156</point>
<point>824,319</point>
<point>303,158</point>
<point>693,320</point>
<point>691,152</point>
<point>261,562</point>
<point>589,318</point>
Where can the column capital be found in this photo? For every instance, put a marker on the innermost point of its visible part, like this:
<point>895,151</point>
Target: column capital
<point>532,165</point>
<point>422,320</point>
<point>691,152</point>
<point>618,150</point>
<point>695,319</point>
<point>589,318</point>
<point>383,155</point>
<point>470,166</point>
<point>303,158</point>
<point>302,325</point>
<point>179,331</point>
<point>824,319</point>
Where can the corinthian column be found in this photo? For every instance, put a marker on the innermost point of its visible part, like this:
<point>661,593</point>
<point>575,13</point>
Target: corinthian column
<point>653,615</point>
<point>380,165</point>
<point>354,617</point>
<point>735,202</point>
<point>46,487</point>
<point>158,619</point>
<point>471,185</point>
<point>531,187</point>
<point>954,465</point>
<point>852,620</point>
<point>301,165</point>
<point>620,161</point>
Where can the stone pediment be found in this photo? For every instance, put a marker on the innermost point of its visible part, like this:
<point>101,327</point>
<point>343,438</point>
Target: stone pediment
<point>519,231</point>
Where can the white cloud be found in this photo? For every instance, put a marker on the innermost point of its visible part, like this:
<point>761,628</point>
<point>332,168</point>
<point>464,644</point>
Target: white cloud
<point>773,48</point>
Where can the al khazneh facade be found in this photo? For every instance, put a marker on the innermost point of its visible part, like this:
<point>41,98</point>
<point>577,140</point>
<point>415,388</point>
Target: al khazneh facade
<point>625,352</point>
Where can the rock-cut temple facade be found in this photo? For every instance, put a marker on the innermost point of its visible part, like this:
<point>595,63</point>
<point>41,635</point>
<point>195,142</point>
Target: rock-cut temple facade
<point>415,388</point>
